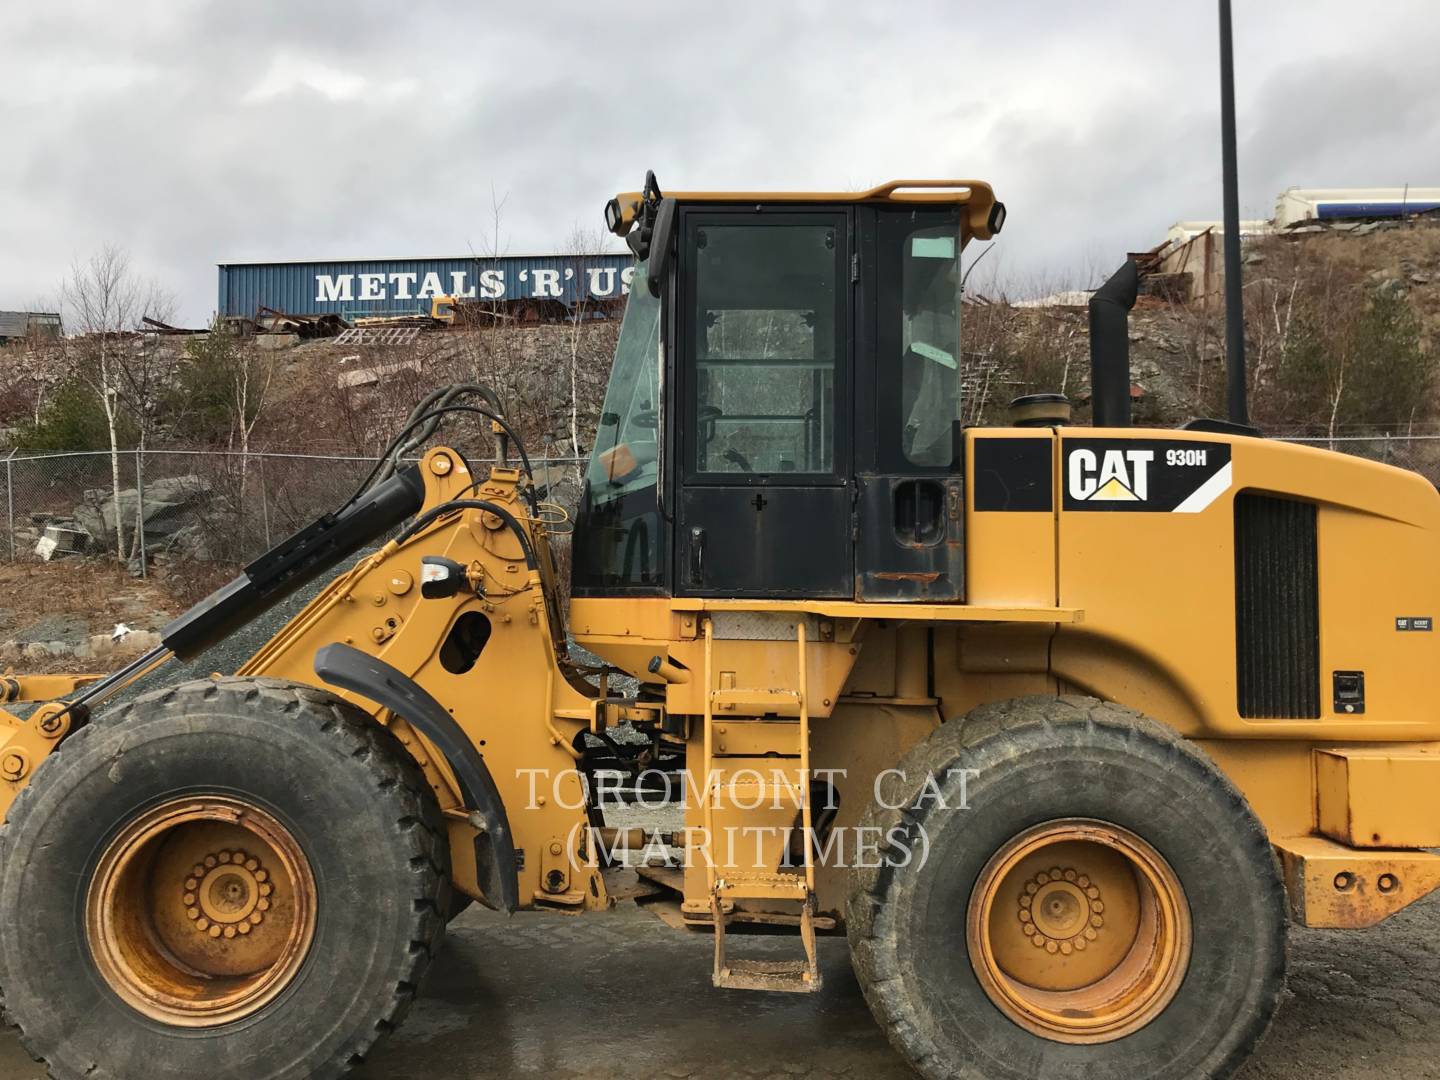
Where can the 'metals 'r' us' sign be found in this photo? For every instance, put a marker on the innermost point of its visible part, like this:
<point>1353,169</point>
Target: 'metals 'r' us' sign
<point>359,287</point>
<point>541,283</point>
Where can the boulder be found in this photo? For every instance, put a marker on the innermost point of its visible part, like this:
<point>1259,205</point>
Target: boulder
<point>169,505</point>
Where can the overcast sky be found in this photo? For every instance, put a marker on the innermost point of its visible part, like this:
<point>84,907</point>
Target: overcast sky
<point>192,133</point>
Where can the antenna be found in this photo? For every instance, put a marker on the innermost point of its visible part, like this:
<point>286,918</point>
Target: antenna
<point>1234,299</point>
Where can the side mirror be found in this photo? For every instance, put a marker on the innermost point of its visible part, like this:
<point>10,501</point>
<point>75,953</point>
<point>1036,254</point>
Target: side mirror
<point>441,577</point>
<point>662,243</point>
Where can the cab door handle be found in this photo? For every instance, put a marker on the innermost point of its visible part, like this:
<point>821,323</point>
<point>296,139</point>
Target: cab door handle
<point>697,555</point>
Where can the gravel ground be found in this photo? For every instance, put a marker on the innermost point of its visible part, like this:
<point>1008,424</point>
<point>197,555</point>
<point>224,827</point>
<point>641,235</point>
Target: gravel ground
<point>621,994</point>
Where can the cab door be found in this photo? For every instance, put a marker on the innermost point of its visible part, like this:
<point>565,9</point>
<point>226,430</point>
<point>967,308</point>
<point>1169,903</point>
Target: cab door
<point>764,499</point>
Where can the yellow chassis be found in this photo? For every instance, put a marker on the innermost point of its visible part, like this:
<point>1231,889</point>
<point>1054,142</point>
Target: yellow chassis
<point>1061,603</point>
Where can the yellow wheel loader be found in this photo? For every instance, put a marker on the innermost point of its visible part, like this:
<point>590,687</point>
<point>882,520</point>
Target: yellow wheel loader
<point>1059,725</point>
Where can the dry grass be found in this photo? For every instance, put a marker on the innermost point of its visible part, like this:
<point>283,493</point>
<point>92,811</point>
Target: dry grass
<point>96,589</point>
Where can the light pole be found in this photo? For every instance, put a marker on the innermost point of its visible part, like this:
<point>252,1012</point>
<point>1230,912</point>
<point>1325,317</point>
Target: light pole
<point>1234,300</point>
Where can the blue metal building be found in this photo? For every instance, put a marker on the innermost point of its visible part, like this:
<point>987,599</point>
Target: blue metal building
<point>360,288</point>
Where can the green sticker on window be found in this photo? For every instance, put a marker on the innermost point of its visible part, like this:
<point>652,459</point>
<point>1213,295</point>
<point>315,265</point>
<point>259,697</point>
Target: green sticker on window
<point>930,352</point>
<point>932,247</point>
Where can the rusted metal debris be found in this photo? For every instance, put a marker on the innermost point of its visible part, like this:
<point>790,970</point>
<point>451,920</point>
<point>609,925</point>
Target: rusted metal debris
<point>270,320</point>
<point>158,327</point>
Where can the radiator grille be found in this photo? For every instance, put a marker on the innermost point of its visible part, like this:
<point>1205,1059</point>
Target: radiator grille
<point>1277,609</point>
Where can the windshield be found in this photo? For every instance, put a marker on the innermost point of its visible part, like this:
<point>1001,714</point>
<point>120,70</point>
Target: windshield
<point>617,537</point>
<point>626,439</point>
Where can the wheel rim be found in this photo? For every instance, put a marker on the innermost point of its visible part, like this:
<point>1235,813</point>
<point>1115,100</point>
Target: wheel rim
<point>201,911</point>
<point>1079,931</point>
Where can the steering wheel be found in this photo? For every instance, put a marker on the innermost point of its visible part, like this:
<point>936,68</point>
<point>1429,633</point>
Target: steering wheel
<point>646,418</point>
<point>735,457</point>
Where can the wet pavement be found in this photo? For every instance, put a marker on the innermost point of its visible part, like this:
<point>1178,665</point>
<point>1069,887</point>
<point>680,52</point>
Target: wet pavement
<point>621,994</point>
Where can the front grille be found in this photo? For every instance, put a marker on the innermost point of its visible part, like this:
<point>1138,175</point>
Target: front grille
<point>1277,609</point>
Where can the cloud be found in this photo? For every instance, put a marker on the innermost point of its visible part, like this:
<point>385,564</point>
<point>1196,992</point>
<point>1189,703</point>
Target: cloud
<point>194,133</point>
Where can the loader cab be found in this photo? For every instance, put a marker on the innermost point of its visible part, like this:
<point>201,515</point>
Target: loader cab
<point>782,419</point>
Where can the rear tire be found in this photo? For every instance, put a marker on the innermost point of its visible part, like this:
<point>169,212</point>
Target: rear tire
<point>323,839</point>
<point>936,940</point>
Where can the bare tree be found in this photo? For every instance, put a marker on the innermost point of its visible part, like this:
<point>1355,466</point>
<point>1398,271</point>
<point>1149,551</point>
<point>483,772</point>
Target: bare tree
<point>580,249</point>
<point>240,376</point>
<point>104,302</point>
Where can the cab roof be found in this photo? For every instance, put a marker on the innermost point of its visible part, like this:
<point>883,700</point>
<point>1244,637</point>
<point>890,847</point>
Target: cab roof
<point>977,196</point>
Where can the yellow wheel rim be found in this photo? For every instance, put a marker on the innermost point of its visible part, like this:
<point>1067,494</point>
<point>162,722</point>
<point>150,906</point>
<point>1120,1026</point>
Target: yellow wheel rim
<point>201,911</point>
<point>1079,931</point>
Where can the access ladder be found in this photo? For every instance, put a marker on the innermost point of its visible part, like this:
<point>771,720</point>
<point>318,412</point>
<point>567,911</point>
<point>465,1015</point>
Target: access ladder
<point>789,741</point>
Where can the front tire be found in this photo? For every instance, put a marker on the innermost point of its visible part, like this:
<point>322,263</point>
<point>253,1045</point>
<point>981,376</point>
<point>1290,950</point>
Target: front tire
<point>228,878</point>
<point>1094,899</point>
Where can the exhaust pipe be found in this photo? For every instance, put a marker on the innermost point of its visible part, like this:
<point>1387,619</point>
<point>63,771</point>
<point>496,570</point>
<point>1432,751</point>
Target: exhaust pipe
<point>1110,347</point>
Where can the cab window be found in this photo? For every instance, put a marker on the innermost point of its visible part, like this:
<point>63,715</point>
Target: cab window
<point>763,334</point>
<point>619,541</point>
<point>929,343</point>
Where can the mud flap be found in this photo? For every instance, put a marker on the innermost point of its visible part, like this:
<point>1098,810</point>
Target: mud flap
<point>350,669</point>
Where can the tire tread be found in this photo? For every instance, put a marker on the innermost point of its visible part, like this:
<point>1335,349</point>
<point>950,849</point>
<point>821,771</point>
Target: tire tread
<point>396,778</point>
<point>1017,726</point>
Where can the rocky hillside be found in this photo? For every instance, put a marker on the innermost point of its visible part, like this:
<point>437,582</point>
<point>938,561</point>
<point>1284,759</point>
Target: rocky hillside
<point>1341,328</point>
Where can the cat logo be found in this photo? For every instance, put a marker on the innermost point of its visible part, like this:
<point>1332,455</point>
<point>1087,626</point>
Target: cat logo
<point>1109,475</point>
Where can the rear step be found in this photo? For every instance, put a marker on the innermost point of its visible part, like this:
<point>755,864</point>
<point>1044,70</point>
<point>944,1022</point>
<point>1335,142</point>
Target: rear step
<point>794,976</point>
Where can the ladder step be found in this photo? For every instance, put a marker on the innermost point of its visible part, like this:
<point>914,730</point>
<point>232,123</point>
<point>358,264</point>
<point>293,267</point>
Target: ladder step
<point>763,886</point>
<point>793,976</point>
<point>751,736</point>
<point>775,792</point>
<point>750,699</point>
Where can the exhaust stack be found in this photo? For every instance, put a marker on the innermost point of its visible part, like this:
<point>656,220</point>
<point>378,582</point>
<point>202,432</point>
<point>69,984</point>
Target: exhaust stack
<point>1110,347</point>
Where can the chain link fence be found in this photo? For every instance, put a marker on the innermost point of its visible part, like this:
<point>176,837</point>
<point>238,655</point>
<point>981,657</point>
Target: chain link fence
<point>1418,453</point>
<point>224,507</point>
<point>195,505</point>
